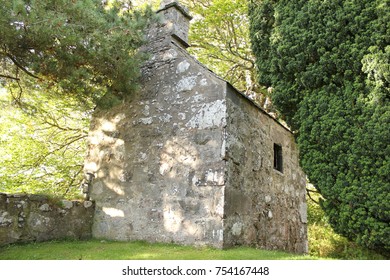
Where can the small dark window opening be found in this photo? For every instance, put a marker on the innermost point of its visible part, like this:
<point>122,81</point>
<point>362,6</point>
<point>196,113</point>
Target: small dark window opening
<point>278,157</point>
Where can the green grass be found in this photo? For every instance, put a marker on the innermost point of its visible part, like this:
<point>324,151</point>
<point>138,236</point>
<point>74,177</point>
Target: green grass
<point>114,250</point>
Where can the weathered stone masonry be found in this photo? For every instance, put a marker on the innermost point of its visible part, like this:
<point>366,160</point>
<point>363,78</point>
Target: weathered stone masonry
<point>27,218</point>
<point>263,206</point>
<point>190,160</point>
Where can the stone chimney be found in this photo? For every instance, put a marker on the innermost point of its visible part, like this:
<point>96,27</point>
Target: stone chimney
<point>177,20</point>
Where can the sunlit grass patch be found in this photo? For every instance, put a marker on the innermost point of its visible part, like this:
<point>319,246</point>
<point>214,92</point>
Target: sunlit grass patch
<point>114,250</point>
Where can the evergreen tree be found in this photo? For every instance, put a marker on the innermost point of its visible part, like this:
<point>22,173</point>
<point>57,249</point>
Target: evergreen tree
<point>86,48</point>
<point>328,63</point>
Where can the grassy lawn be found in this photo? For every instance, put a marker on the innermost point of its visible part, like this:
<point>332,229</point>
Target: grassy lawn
<point>113,250</point>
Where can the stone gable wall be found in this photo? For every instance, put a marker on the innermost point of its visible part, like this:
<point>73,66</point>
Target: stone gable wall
<point>158,158</point>
<point>27,218</point>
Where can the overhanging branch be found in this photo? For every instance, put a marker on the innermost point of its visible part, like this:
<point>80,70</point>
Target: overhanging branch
<point>21,67</point>
<point>308,191</point>
<point>9,77</point>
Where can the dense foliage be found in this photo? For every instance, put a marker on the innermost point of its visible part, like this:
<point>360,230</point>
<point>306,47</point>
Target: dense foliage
<point>75,45</point>
<point>328,63</point>
<point>58,59</point>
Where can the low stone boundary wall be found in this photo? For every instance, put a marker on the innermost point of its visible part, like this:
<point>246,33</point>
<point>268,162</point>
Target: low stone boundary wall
<point>27,217</point>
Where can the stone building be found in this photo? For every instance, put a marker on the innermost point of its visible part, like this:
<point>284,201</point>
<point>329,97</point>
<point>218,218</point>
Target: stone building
<point>191,160</point>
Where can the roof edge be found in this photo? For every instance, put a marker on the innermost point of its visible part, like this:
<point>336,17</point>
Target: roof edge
<point>257,106</point>
<point>239,93</point>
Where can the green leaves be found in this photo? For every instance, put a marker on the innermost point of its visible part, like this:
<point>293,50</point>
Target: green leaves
<point>219,38</point>
<point>79,45</point>
<point>328,62</point>
<point>42,144</point>
<point>376,64</point>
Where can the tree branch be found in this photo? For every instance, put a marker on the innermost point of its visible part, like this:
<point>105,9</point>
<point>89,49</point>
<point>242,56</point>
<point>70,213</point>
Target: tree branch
<point>308,191</point>
<point>60,147</point>
<point>9,77</point>
<point>21,67</point>
<point>73,180</point>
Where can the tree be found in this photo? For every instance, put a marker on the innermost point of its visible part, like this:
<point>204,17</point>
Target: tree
<point>329,65</point>
<point>86,48</point>
<point>58,59</point>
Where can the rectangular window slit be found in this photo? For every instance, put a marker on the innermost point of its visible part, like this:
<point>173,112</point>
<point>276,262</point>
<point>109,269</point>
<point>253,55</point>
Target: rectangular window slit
<point>278,157</point>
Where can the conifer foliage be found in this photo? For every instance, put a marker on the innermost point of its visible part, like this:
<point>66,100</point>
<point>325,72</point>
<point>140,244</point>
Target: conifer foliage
<point>76,45</point>
<point>328,63</point>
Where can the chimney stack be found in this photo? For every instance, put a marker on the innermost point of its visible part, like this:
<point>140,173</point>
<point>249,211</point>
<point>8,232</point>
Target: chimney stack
<point>177,20</point>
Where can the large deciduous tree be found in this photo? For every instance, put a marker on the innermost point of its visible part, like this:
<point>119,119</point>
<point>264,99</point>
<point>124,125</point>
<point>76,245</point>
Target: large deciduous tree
<point>328,63</point>
<point>42,144</point>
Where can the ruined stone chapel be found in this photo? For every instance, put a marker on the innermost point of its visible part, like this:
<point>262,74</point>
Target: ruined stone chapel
<point>191,160</point>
